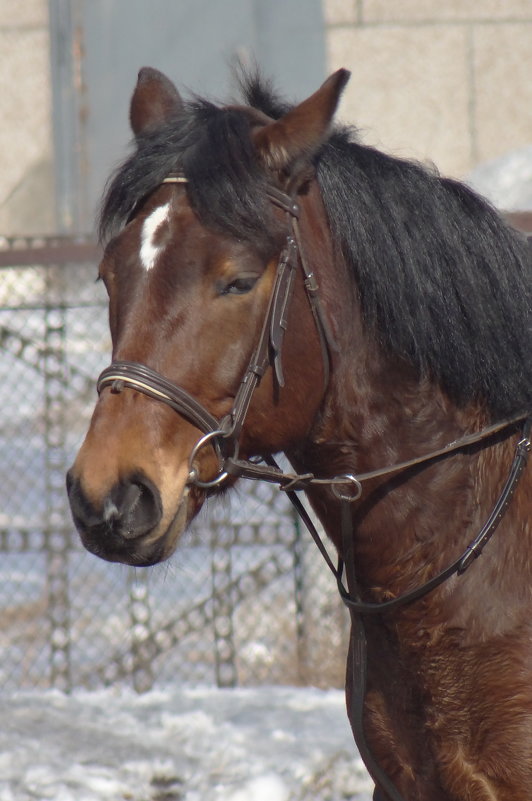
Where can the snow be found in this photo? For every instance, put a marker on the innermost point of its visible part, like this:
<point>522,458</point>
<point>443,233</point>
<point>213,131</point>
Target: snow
<point>506,181</point>
<point>185,744</point>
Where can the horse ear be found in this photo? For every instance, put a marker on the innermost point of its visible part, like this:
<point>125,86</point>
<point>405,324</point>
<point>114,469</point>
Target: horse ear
<point>289,143</point>
<point>154,101</point>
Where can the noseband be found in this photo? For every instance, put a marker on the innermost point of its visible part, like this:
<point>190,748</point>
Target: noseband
<point>224,435</point>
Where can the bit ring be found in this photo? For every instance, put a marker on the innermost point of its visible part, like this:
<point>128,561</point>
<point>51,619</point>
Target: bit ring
<point>193,475</point>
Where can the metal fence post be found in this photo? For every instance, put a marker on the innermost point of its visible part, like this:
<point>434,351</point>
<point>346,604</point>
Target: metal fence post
<point>299,596</point>
<point>142,645</point>
<point>55,511</point>
<point>222,538</point>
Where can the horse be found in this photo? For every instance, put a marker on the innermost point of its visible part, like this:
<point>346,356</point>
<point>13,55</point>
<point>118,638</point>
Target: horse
<point>276,285</point>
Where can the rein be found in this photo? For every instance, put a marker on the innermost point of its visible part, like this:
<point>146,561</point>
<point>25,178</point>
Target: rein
<point>224,434</point>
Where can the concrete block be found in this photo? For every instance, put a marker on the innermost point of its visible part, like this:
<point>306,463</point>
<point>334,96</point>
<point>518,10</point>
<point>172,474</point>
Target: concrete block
<point>23,13</point>
<point>450,10</point>
<point>503,98</point>
<point>30,208</point>
<point>339,12</point>
<point>409,91</point>
<point>25,105</point>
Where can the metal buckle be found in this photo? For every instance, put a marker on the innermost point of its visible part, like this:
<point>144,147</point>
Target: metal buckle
<point>524,446</point>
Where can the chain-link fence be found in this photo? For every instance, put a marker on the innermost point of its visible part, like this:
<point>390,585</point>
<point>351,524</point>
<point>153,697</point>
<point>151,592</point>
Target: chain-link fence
<point>245,600</point>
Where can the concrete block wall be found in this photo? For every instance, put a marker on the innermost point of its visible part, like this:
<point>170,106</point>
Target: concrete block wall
<point>26,175</point>
<point>448,81</point>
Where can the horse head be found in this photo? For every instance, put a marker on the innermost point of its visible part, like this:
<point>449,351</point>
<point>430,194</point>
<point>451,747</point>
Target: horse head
<point>190,276</point>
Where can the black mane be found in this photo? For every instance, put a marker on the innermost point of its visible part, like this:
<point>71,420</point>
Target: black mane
<point>443,281</point>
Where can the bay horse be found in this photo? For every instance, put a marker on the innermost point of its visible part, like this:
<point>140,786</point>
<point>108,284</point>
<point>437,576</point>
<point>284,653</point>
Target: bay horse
<point>277,286</point>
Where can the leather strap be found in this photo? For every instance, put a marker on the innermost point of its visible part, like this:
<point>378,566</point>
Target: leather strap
<point>282,294</point>
<point>138,376</point>
<point>460,565</point>
<point>272,333</point>
<point>295,481</point>
<point>473,550</point>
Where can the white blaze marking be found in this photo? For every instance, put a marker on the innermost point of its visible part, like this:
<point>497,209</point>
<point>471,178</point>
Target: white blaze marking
<point>149,251</point>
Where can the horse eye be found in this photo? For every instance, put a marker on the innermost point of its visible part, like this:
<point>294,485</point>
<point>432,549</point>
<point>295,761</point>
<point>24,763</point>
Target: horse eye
<point>240,285</point>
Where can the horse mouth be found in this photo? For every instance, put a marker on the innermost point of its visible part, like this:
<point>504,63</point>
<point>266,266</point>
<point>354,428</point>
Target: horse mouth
<point>145,551</point>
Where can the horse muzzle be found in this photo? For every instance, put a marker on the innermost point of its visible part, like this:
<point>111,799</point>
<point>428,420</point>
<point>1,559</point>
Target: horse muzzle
<point>129,525</point>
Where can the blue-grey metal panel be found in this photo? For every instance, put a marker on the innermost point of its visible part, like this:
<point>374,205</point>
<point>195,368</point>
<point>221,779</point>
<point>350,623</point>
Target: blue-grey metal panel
<point>98,46</point>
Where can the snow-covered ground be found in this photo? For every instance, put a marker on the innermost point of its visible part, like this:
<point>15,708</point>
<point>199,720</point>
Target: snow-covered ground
<point>264,744</point>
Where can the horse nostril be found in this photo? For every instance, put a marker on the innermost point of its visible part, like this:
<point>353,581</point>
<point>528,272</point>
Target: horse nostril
<point>133,507</point>
<point>130,510</point>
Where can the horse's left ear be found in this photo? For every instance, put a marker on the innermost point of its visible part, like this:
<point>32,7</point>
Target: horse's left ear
<point>154,101</point>
<point>288,144</point>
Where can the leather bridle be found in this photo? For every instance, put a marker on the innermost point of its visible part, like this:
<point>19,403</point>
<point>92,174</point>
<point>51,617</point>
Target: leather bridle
<point>224,435</point>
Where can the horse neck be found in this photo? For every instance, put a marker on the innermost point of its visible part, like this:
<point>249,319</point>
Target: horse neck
<point>377,413</point>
